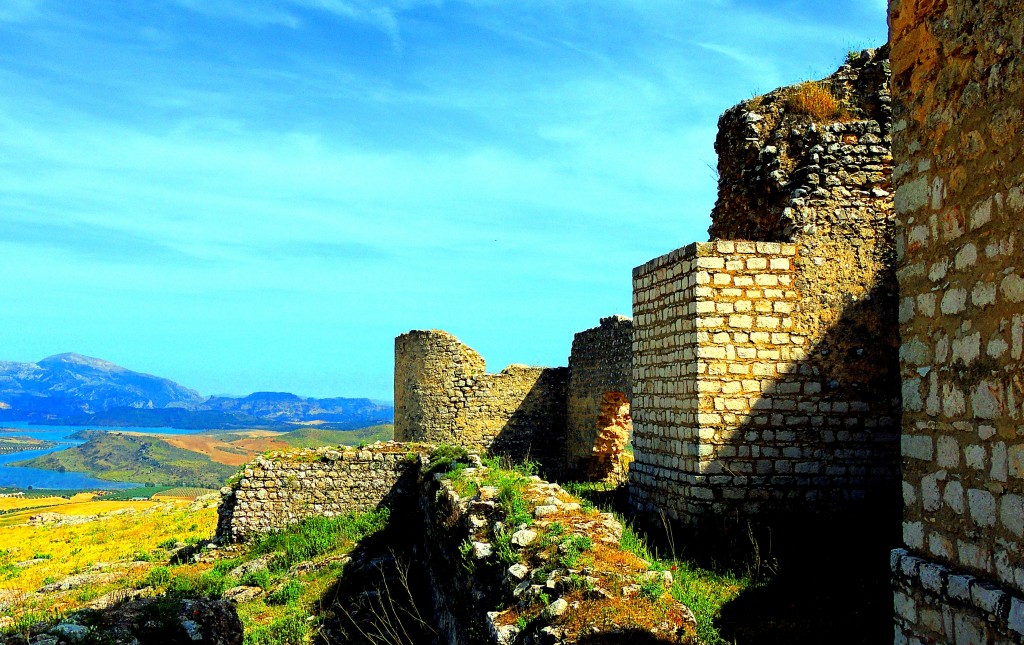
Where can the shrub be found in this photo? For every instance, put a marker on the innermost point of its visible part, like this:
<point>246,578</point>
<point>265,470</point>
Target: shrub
<point>222,567</point>
<point>158,577</point>
<point>816,100</point>
<point>287,630</point>
<point>287,594</point>
<point>651,589</point>
<point>259,578</point>
<point>445,457</point>
<point>572,548</point>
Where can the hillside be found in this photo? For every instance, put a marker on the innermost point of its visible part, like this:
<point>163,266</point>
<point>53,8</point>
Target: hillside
<point>202,459</point>
<point>116,456</point>
<point>236,448</point>
<point>314,437</point>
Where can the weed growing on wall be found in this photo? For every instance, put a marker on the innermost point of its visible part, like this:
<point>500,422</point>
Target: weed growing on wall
<point>816,100</point>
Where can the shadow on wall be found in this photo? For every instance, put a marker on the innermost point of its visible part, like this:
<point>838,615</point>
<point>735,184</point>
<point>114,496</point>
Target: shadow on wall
<point>801,487</point>
<point>384,587</point>
<point>819,452</point>
<point>815,453</point>
<point>536,429</point>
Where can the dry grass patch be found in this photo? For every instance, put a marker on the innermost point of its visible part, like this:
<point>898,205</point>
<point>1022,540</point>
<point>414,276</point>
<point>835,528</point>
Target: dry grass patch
<point>816,100</point>
<point>11,503</point>
<point>73,549</point>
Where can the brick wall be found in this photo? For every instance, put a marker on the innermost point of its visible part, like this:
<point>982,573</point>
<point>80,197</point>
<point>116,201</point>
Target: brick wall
<point>959,84</point>
<point>726,414</point>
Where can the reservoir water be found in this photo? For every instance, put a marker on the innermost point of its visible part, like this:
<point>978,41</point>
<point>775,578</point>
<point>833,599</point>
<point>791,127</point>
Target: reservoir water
<point>21,477</point>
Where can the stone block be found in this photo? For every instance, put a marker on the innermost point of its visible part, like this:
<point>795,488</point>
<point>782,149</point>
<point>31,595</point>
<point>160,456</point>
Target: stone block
<point>1015,620</point>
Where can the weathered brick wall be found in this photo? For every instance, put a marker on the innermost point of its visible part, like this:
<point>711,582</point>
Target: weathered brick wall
<point>959,87</point>
<point>765,366</point>
<point>443,394</point>
<point>600,366</point>
<point>727,414</point>
<point>284,487</point>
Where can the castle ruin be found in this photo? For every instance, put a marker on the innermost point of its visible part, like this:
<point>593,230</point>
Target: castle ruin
<point>766,370</point>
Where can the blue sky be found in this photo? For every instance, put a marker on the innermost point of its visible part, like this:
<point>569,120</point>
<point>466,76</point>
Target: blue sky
<point>249,195</point>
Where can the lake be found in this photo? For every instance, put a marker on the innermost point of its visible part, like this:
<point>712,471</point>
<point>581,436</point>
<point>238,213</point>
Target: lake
<point>21,477</point>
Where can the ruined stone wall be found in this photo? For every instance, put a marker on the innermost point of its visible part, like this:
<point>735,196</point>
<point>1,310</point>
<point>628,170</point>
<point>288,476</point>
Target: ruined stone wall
<point>284,487</point>
<point>958,73</point>
<point>765,361</point>
<point>443,394</point>
<point>598,421</point>
<point>480,592</point>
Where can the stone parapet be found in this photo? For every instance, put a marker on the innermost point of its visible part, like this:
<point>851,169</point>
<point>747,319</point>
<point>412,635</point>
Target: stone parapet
<point>283,488</point>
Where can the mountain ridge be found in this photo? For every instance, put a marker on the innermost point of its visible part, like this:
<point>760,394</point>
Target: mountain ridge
<point>74,389</point>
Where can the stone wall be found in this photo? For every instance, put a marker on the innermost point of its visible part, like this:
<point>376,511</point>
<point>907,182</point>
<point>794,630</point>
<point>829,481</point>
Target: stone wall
<point>443,394</point>
<point>598,408</point>
<point>958,72</point>
<point>282,488</point>
<point>765,367</point>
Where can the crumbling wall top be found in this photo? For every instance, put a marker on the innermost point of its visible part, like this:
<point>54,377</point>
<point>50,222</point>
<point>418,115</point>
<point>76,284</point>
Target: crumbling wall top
<point>826,140</point>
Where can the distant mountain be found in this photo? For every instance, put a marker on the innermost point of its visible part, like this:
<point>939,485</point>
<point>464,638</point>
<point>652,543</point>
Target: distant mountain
<point>283,407</point>
<point>71,384</point>
<point>71,389</point>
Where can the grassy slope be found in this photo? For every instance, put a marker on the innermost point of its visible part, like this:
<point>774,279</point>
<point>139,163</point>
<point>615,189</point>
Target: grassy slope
<point>122,457</point>
<point>313,437</point>
<point>138,544</point>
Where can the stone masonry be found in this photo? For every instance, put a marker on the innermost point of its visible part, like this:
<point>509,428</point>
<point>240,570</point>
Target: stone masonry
<point>958,76</point>
<point>285,487</point>
<point>765,377</point>
<point>443,394</point>
<point>600,389</point>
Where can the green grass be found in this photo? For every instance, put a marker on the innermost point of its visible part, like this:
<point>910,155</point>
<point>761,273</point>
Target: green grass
<point>132,493</point>
<point>705,591</point>
<point>290,629</point>
<point>315,536</point>
<point>510,480</point>
<point>287,594</point>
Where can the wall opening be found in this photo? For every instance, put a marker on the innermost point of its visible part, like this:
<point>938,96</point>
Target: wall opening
<point>610,458</point>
